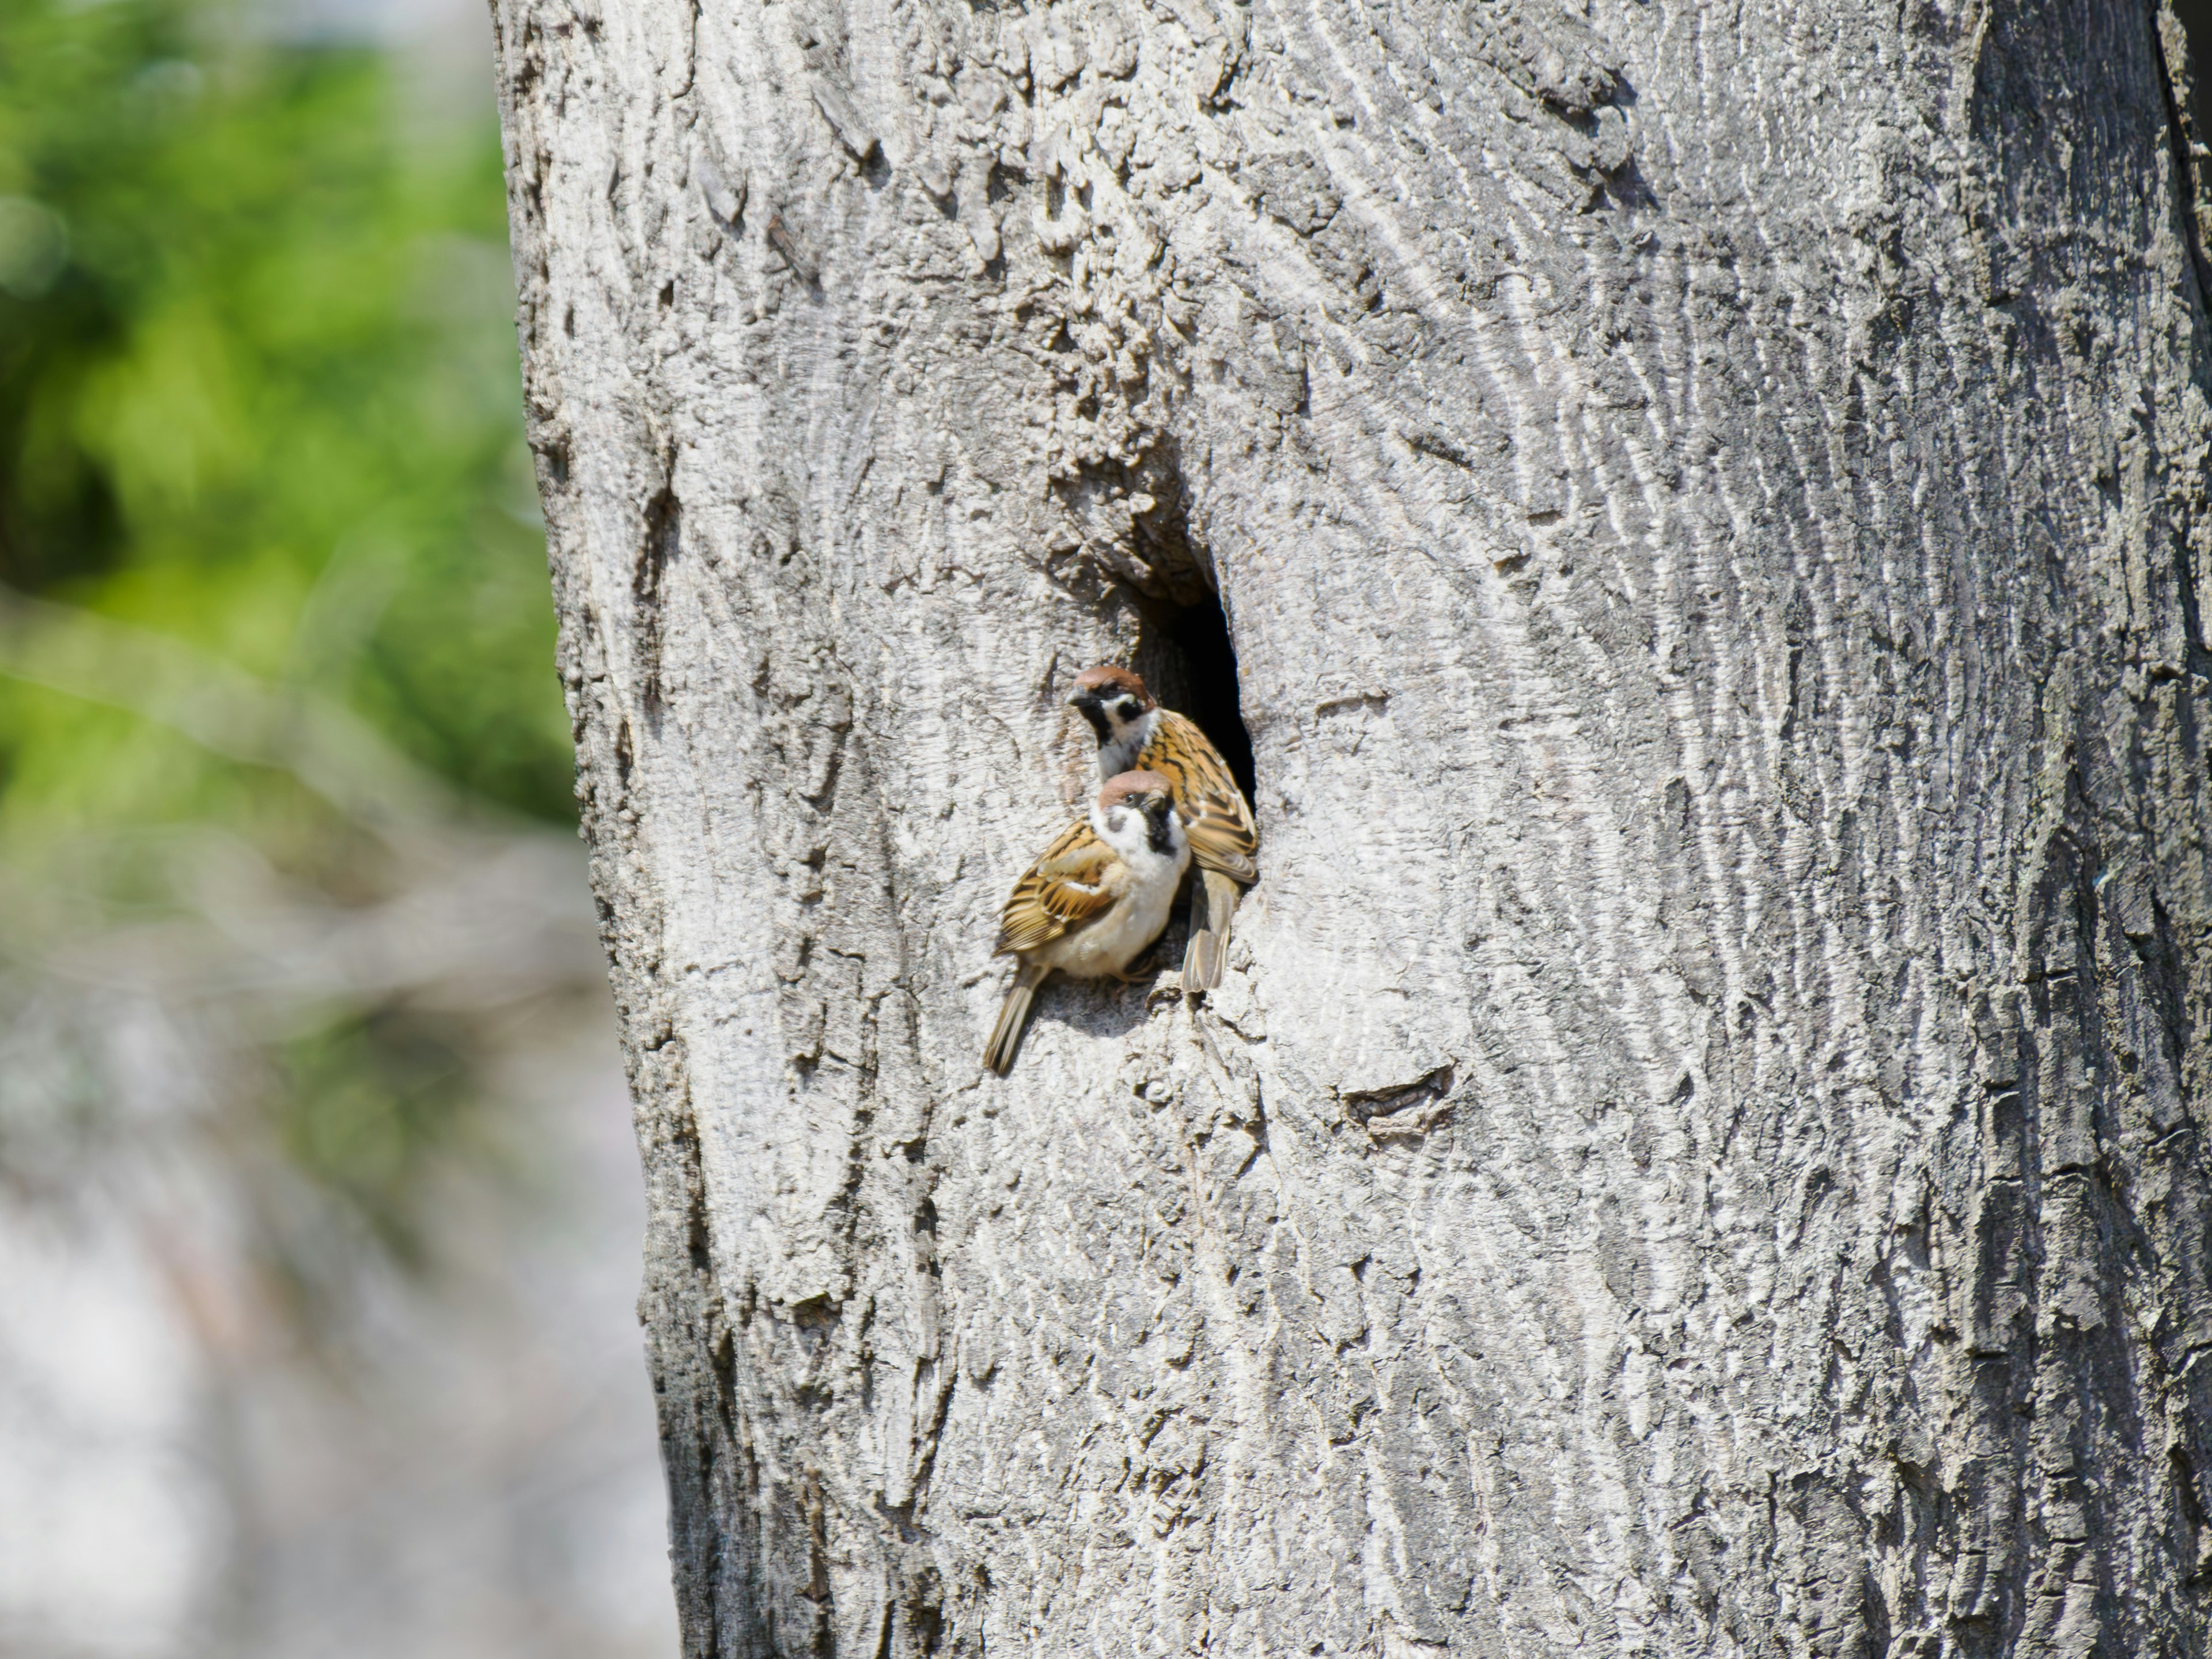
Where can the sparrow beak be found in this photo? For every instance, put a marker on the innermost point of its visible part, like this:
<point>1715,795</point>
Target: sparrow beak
<point>1083,700</point>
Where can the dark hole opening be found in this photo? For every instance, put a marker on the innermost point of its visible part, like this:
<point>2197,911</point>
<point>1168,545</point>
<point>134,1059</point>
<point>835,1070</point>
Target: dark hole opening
<point>2196,17</point>
<point>1185,654</point>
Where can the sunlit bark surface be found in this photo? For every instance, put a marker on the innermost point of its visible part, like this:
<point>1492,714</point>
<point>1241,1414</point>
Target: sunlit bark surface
<point>1700,1150</point>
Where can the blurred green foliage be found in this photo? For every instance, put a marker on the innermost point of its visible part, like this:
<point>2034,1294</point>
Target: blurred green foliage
<point>387,1090</point>
<point>258,394</point>
<point>258,390</point>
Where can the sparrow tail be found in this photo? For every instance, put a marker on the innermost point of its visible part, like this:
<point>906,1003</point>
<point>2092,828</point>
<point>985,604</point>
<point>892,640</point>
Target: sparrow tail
<point>1207,954</point>
<point>1013,1015</point>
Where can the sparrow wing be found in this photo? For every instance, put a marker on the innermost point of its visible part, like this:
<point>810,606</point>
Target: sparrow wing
<point>1212,809</point>
<point>1070,884</point>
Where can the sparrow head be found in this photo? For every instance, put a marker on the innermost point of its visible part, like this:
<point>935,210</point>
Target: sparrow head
<point>1112,699</point>
<point>1146,796</point>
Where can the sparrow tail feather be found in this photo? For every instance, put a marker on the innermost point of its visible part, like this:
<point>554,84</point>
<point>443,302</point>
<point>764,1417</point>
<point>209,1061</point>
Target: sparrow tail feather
<point>1207,954</point>
<point>1013,1015</point>
<point>1201,962</point>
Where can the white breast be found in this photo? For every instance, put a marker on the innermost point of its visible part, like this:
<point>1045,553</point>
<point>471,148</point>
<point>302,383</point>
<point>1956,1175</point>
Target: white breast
<point>1120,754</point>
<point>1110,943</point>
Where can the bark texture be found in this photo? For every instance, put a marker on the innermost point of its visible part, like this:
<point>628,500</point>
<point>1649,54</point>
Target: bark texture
<point>1701,1150</point>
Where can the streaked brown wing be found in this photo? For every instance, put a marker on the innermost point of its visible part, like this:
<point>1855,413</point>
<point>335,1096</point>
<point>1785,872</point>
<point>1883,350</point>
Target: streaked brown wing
<point>1213,845</point>
<point>1064,889</point>
<point>1214,815</point>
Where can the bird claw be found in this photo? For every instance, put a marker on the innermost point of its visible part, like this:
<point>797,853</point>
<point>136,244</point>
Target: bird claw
<point>1145,969</point>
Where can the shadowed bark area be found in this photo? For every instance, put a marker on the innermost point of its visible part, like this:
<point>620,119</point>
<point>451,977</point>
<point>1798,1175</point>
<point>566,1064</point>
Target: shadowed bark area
<point>1698,1150</point>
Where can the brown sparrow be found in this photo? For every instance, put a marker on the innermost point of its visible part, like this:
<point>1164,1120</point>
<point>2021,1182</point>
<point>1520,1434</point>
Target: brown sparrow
<point>1095,901</point>
<point>1134,730</point>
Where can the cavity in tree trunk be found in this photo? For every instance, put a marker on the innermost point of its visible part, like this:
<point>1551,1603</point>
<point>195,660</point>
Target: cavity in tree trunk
<point>1701,512</point>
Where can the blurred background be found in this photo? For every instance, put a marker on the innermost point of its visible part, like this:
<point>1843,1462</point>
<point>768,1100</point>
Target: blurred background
<point>318,1212</point>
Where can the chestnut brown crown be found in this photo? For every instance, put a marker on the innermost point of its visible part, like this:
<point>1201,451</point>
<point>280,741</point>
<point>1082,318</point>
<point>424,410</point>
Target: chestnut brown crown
<point>1135,788</point>
<point>1106,682</point>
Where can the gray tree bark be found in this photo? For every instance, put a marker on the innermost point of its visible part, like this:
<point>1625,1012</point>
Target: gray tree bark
<point>1701,1150</point>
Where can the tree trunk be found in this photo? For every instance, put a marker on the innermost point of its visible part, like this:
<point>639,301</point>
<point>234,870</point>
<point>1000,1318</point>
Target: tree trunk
<point>1698,1151</point>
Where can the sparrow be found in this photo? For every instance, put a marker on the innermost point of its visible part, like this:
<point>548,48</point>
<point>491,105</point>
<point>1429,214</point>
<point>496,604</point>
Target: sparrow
<point>1095,901</point>
<point>1134,730</point>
